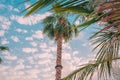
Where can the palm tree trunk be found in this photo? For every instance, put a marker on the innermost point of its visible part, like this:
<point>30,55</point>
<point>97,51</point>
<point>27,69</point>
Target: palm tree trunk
<point>58,66</point>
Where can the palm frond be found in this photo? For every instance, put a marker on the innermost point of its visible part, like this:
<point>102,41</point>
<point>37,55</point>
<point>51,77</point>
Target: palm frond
<point>108,49</point>
<point>85,24</point>
<point>2,48</point>
<point>74,6</point>
<point>38,5</point>
<point>87,71</point>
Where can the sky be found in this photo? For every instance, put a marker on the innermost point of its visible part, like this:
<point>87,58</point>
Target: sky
<point>32,54</point>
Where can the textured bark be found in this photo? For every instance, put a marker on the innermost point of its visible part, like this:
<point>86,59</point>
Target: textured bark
<point>59,58</point>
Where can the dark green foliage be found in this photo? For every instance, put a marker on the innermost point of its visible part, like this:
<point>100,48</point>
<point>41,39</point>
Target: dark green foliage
<point>2,48</point>
<point>53,27</point>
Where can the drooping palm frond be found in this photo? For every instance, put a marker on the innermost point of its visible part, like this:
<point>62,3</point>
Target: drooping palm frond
<point>106,11</point>
<point>86,71</point>
<point>75,6</point>
<point>49,26</point>
<point>110,13</point>
<point>108,44</point>
<point>85,24</point>
<point>38,5</point>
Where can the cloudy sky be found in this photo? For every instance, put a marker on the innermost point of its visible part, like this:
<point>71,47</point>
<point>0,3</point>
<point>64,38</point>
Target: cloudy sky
<point>32,55</point>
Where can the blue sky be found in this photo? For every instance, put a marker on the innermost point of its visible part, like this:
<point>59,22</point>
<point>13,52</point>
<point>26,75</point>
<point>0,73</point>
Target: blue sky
<point>32,55</point>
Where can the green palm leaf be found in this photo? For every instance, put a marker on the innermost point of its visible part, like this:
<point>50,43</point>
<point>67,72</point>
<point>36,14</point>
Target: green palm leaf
<point>2,48</point>
<point>87,70</point>
<point>79,8</point>
<point>38,5</point>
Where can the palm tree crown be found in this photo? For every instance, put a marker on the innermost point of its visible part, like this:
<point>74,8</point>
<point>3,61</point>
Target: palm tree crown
<point>56,25</point>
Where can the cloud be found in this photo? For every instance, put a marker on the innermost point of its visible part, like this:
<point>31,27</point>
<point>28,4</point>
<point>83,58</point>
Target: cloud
<point>30,60</point>
<point>33,44</point>
<point>29,38</point>
<point>19,66</point>
<point>21,30</point>
<point>15,38</point>
<point>75,53</point>
<point>38,34</point>
<point>77,22</point>
<point>43,45</point>
<point>4,23</point>
<point>16,10</point>
<point>31,20</point>
<point>2,32</point>
<point>79,37</point>
<point>29,50</point>
<point>2,6</point>
<point>4,41</point>
<point>47,61</point>
<point>44,56</point>
<point>9,57</point>
<point>2,68</point>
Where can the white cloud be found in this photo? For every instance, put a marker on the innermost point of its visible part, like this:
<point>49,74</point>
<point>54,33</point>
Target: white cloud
<point>5,52</point>
<point>15,38</point>
<point>75,53</point>
<point>19,61</point>
<point>9,57</point>
<point>2,6</point>
<point>29,50</point>
<point>30,59</point>
<point>2,68</point>
<point>66,46</point>
<point>4,23</point>
<point>19,66</point>
<point>33,73</point>
<point>43,45</point>
<point>21,30</point>
<point>38,34</point>
<point>31,20</point>
<point>4,41</point>
<point>79,37</point>
<point>44,55</point>
<point>26,5</point>
<point>33,44</point>
<point>16,10</point>
<point>29,38</point>
<point>2,32</point>
<point>53,48</point>
<point>47,61</point>
<point>67,56</point>
<point>77,22</point>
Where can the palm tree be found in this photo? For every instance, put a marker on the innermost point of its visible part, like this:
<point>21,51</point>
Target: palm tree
<point>57,27</point>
